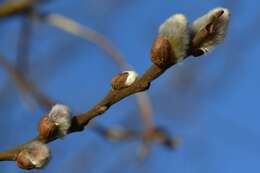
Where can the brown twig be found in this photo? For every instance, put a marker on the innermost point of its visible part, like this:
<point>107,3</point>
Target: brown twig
<point>96,38</point>
<point>81,120</point>
<point>109,133</point>
<point>158,135</point>
<point>115,96</point>
<point>18,7</point>
<point>93,36</point>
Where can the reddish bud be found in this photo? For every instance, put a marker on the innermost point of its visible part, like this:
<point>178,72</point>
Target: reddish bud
<point>123,80</point>
<point>23,161</point>
<point>161,53</point>
<point>46,128</point>
<point>35,155</point>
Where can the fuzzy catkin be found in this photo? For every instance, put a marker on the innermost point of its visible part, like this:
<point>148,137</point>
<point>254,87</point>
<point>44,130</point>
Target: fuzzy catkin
<point>220,27</point>
<point>61,116</point>
<point>175,29</point>
<point>38,153</point>
<point>132,76</point>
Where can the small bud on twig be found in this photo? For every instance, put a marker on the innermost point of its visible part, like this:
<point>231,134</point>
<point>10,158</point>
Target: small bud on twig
<point>61,116</point>
<point>209,30</point>
<point>34,156</point>
<point>56,123</point>
<point>161,53</point>
<point>46,128</point>
<point>124,80</point>
<point>175,29</point>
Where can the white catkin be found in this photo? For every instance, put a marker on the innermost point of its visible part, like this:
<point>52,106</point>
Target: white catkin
<point>61,116</point>
<point>221,27</point>
<point>132,76</point>
<point>176,30</point>
<point>38,153</point>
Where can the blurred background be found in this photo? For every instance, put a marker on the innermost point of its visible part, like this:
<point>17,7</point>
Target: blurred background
<point>209,103</point>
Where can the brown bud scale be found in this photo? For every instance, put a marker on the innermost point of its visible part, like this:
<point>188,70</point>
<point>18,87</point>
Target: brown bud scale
<point>46,128</point>
<point>118,82</point>
<point>23,161</point>
<point>162,53</point>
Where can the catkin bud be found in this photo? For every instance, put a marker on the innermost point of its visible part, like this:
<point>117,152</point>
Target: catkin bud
<point>124,80</point>
<point>161,53</point>
<point>47,128</point>
<point>61,116</point>
<point>35,155</point>
<point>209,30</point>
<point>175,29</point>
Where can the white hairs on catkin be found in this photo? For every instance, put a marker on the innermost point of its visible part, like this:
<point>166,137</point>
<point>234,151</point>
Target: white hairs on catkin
<point>38,153</point>
<point>220,27</point>
<point>176,30</point>
<point>132,76</point>
<point>61,116</point>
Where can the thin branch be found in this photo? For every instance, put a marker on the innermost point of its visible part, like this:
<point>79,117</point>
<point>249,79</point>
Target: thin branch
<point>23,46</point>
<point>92,36</point>
<point>26,85</point>
<point>115,96</point>
<point>146,110</point>
<point>83,32</point>
<point>162,56</point>
<point>109,133</point>
<point>7,156</point>
<point>81,120</point>
<point>118,134</point>
<point>101,41</point>
<point>158,135</point>
<point>18,7</point>
<point>22,55</point>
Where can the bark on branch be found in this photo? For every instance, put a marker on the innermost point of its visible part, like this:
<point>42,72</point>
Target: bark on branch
<point>81,120</point>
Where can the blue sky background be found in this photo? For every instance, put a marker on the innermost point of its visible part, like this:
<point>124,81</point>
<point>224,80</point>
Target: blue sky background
<point>210,103</point>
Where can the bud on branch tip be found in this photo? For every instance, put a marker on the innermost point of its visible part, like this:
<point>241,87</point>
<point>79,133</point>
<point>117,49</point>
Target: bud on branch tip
<point>204,35</point>
<point>210,30</point>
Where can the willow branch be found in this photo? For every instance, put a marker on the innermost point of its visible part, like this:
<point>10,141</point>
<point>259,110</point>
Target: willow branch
<point>101,41</point>
<point>86,33</point>
<point>16,7</point>
<point>163,54</point>
<point>81,120</point>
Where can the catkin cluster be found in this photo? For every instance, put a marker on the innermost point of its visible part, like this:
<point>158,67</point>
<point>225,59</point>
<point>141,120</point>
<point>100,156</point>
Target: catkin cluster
<point>177,40</point>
